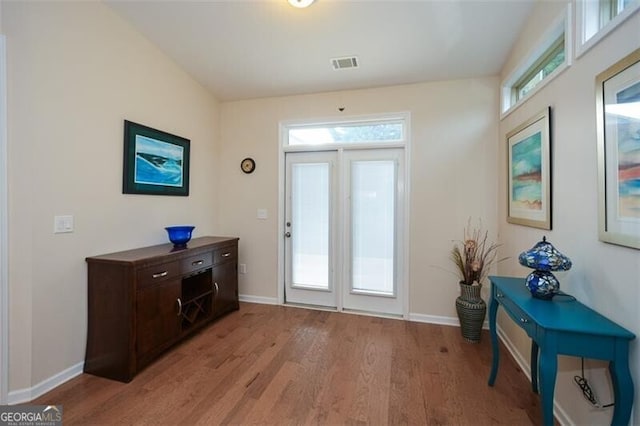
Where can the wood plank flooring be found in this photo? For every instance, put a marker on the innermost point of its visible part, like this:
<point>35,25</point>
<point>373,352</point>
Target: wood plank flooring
<point>287,366</point>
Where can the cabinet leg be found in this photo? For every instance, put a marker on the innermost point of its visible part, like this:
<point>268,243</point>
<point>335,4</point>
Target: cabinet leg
<point>534,366</point>
<point>622,391</point>
<point>493,311</point>
<point>548,369</point>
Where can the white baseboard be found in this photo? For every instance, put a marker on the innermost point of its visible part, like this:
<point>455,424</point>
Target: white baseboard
<point>561,415</point>
<point>435,319</point>
<point>258,299</point>
<point>27,395</point>
<point>523,362</point>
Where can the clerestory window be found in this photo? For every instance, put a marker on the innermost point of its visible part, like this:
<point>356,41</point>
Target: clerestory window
<point>596,18</point>
<point>544,62</point>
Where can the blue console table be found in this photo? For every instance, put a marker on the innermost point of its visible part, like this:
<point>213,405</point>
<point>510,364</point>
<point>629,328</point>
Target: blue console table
<point>562,327</point>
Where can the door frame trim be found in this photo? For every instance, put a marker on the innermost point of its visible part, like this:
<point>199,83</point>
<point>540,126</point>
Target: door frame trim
<point>4,257</point>
<point>283,149</point>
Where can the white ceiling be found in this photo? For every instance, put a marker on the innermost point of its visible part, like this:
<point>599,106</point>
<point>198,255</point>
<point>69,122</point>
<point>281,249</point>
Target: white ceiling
<point>250,49</point>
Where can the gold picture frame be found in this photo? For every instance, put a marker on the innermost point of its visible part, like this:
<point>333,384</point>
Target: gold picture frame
<point>618,140</point>
<point>529,172</point>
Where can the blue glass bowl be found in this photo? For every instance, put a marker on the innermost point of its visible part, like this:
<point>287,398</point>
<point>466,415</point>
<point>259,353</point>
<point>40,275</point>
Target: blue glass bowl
<point>179,235</point>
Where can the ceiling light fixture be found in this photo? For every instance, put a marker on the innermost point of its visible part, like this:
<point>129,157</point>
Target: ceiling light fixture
<point>300,4</point>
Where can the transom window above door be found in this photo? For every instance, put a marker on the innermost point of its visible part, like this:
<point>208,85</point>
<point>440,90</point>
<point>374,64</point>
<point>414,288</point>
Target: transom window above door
<point>367,132</point>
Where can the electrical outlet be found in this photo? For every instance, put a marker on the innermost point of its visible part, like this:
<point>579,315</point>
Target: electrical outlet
<point>62,224</point>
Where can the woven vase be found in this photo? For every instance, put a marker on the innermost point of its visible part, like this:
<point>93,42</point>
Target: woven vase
<point>471,311</point>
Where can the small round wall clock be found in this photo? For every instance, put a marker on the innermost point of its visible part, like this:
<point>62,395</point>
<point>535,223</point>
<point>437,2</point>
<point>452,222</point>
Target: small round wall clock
<point>248,165</point>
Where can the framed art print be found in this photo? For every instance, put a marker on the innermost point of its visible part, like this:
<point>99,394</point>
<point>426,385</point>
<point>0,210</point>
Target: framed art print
<point>155,162</point>
<point>529,172</point>
<point>618,137</point>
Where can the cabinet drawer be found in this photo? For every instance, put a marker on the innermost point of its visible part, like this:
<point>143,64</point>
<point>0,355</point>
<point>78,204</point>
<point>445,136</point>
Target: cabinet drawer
<point>225,254</point>
<point>517,315</point>
<point>158,273</point>
<point>194,263</point>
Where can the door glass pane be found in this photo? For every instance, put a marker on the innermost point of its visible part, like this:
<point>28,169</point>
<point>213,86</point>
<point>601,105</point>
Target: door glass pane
<point>373,226</point>
<point>389,131</point>
<point>310,225</point>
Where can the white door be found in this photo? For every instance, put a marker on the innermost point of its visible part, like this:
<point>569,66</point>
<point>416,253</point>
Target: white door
<point>343,219</point>
<point>373,215</point>
<point>4,276</point>
<point>310,228</point>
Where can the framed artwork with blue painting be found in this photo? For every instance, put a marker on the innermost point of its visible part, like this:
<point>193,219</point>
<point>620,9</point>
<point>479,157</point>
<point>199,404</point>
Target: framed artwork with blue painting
<point>529,172</point>
<point>618,136</point>
<point>155,162</point>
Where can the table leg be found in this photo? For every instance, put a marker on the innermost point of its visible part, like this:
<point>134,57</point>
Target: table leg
<point>548,369</point>
<point>534,366</point>
<point>493,311</point>
<point>622,387</point>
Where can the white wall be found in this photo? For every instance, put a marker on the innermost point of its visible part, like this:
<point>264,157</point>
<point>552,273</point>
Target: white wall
<point>605,277</point>
<point>75,72</point>
<point>453,160</point>
<point>4,291</point>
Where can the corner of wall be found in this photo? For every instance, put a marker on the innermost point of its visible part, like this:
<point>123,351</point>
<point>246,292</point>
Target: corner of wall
<point>4,256</point>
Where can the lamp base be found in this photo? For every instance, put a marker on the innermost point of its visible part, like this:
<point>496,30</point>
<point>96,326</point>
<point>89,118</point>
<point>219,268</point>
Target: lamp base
<point>542,284</point>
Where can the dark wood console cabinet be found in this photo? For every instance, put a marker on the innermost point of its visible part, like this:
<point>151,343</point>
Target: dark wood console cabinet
<point>143,301</point>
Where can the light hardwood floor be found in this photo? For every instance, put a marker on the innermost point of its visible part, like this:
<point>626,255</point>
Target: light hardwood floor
<point>283,365</point>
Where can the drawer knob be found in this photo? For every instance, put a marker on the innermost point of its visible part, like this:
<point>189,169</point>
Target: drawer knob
<point>197,263</point>
<point>524,320</point>
<point>159,274</point>
<point>226,254</point>
<point>499,295</point>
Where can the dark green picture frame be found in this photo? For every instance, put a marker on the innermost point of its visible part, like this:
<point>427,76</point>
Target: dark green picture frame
<point>155,162</point>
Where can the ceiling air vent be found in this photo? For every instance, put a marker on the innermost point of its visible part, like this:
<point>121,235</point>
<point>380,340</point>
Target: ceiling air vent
<point>344,63</point>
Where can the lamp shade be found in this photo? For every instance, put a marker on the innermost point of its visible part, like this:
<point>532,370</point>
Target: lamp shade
<point>544,258</point>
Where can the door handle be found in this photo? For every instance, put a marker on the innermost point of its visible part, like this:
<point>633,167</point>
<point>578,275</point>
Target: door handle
<point>287,234</point>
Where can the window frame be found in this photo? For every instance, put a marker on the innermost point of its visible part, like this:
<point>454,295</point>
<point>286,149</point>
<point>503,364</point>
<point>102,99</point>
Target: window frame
<point>589,18</point>
<point>560,27</point>
<point>401,117</point>
<point>537,67</point>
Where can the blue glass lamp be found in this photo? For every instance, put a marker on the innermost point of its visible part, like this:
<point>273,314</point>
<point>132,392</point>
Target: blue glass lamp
<point>544,258</point>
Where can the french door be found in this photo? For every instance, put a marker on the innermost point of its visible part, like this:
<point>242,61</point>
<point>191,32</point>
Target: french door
<point>344,213</point>
<point>310,228</point>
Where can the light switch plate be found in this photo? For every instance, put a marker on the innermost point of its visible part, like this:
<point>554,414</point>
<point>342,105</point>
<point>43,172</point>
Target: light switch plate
<point>262,214</point>
<point>62,224</point>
